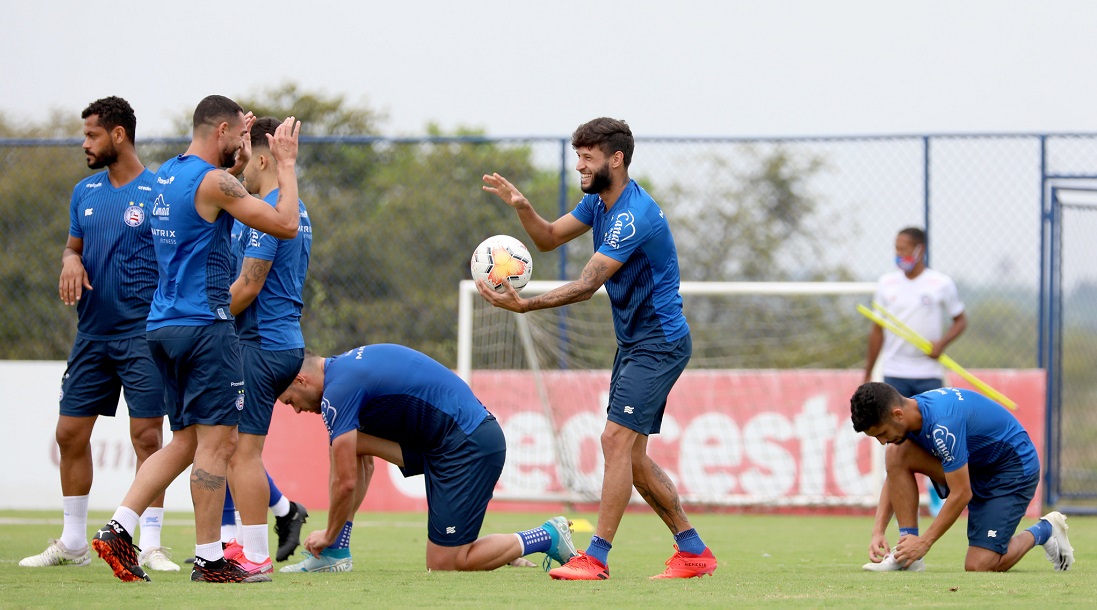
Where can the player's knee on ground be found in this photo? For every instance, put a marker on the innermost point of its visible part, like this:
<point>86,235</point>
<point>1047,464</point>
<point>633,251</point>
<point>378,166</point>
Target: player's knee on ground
<point>447,559</point>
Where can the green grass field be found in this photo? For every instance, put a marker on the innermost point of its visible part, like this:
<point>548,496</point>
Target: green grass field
<point>780,561</point>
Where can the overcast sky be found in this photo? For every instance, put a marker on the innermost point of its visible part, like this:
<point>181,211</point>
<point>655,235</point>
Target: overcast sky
<point>514,67</point>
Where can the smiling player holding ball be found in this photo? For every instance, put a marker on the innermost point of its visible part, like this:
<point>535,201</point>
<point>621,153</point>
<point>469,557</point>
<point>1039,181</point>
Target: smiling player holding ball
<point>636,260</point>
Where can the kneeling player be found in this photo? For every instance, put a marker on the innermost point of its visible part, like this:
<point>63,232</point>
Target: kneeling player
<point>978,456</point>
<point>400,405</point>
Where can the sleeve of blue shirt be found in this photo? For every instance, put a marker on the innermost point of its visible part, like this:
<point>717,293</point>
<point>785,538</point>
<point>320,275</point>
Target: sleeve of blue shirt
<point>584,211</point>
<point>74,218</point>
<point>261,246</point>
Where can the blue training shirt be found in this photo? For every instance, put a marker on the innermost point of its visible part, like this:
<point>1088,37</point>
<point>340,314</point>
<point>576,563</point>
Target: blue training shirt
<point>396,393</point>
<point>117,255</point>
<point>964,427</point>
<point>273,320</point>
<point>194,255</point>
<point>644,292</point>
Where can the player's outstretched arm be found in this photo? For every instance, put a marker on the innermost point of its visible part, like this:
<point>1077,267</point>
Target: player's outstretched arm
<point>879,548</point>
<point>344,478</point>
<point>546,235</point>
<point>220,190</point>
<point>599,269</point>
<point>913,548</point>
<point>74,278</point>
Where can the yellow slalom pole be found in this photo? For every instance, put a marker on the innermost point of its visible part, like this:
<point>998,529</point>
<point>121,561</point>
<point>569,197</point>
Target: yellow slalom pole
<point>908,334</point>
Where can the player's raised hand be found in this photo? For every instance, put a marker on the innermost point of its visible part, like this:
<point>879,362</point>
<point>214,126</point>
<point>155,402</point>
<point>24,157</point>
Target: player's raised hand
<point>244,154</point>
<point>503,189</point>
<point>508,300</point>
<point>74,280</point>
<point>283,144</point>
<point>878,548</point>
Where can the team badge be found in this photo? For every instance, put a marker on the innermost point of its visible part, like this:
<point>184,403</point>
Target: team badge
<point>240,402</point>
<point>134,216</point>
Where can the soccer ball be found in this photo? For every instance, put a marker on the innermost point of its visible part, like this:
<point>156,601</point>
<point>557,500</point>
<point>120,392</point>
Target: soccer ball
<point>501,257</point>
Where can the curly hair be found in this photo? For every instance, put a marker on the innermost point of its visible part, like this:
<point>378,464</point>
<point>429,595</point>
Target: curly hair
<point>113,112</point>
<point>871,403</point>
<point>609,135</point>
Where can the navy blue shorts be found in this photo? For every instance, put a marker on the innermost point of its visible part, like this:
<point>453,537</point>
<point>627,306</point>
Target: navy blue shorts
<point>98,370</point>
<point>202,372</point>
<point>460,479</point>
<point>266,375</point>
<point>995,509</point>
<point>910,387</point>
<point>641,381</point>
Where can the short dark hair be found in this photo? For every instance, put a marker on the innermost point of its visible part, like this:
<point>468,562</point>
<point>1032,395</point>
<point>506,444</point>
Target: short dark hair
<point>609,135</point>
<point>916,234</point>
<point>871,403</point>
<point>113,112</point>
<point>260,128</point>
<point>214,110</point>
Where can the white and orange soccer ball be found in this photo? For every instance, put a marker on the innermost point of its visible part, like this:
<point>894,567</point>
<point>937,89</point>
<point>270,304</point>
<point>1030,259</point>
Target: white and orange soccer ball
<point>501,257</point>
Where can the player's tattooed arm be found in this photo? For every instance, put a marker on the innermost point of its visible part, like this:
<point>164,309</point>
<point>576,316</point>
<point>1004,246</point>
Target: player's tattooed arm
<point>594,275</point>
<point>231,186</point>
<point>255,271</point>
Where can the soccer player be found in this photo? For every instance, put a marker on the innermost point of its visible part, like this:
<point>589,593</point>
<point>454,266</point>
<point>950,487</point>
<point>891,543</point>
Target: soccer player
<point>191,333</point>
<point>980,458</point>
<point>636,260</point>
<point>400,405</point>
<point>109,272</point>
<point>266,301</point>
<point>923,299</point>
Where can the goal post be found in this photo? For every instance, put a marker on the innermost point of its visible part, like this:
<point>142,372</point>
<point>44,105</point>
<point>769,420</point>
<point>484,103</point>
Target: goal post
<point>760,417</point>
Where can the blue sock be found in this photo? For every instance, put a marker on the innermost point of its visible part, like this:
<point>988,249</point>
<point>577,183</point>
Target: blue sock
<point>228,514</point>
<point>1041,531</point>
<point>689,542</point>
<point>275,493</point>
<point>599,549</point>
<point>908,531</point>
<point>343,541</point>
<point>537,540</point>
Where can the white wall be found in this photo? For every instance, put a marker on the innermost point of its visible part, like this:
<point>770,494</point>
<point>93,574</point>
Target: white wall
<point>30,476</point>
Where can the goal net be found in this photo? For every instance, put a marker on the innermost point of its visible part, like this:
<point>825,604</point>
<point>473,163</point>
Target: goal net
<point>760,417</point>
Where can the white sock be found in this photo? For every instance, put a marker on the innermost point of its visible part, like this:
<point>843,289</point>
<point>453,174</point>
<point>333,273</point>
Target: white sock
<point>281,507</point>
<point>151,522</point>
<point>256,546</point>
<point>127,519</point>
<point>210,551</point>
<point>239,523</point>
<point>74,535</point>
<point>228,533</point>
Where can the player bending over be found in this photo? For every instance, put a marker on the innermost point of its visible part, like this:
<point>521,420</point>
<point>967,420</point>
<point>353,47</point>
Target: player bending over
<point>978,456</point>
<point>400,405</point>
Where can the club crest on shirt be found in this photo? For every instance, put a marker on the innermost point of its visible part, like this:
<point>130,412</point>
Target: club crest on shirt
<point>134,215</point>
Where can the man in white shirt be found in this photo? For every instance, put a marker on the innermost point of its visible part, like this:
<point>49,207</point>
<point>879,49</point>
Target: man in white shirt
<point>922,298</point>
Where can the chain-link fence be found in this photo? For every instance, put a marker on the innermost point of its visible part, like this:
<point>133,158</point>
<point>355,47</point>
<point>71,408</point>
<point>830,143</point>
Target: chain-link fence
<point>395,222</point>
